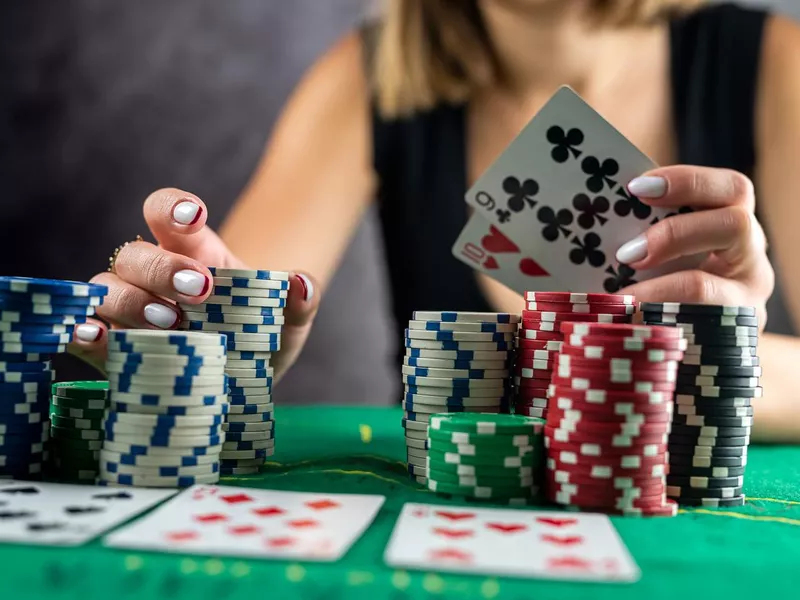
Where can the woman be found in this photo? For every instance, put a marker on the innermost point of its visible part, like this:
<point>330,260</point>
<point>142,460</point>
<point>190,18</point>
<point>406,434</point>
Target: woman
<point>416,110</point>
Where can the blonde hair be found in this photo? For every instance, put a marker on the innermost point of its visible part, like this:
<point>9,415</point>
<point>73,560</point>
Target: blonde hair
<point>432,51</point>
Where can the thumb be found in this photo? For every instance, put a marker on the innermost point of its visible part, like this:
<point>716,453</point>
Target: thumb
<point>177,219</point>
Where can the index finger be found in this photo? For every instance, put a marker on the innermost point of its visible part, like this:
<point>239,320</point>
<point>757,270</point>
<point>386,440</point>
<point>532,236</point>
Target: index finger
<point>696,187</point>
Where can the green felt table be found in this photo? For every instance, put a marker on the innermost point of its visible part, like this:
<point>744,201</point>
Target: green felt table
<point>707,553</point>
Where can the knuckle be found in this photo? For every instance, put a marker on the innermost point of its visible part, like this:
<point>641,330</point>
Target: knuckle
<point>738,220</point>
<point>697,287</point>
<point>157,269</point>
<point>742,188</point>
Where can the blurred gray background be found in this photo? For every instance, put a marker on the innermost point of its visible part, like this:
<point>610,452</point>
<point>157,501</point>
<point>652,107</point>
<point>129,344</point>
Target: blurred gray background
<point>102,102</point>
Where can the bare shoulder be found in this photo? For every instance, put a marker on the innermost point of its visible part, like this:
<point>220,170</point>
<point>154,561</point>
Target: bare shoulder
<point>780,64</point>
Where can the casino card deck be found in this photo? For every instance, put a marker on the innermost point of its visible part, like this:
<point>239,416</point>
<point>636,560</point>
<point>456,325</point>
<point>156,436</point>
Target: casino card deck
<point>559,194</point>
<point>52,514</point>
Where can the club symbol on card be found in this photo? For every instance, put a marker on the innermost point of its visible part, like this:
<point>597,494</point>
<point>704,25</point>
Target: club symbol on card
<point>555,223</point>
<point>113,496</point>
<point>628,203</point>
<point>600,173</point>
<point>564,143</point>
<point>44,527</point>
<point>451,555</point>
<point>588,250</point>
<point>621,277</point>
<point>8,515</point>
<point>521,195</point>
<point>83,510</point>
<point>591,210</point>
<point>22,491</point>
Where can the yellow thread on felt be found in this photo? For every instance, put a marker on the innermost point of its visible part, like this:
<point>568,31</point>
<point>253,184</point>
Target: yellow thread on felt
<point>782,520</point>
<point>773,500</point>
<point>345,472</point>
<point>366,433</point>
<point>188,566</point>
<point>432,583</point>
<point>295,573</point>
<point>240,569</point>
<point>490,588</point>
<point>133,562</point>
<point>401,580</point>
<point>213,566</point>
<point>359,577</point>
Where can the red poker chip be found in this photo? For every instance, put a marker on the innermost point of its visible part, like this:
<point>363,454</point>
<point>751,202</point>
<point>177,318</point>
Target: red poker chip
<point>532,400</point>
<point>600,397</point>
<point>540,365</point>
<point>623,330</point>
<point>631,420</point>
<point>629,344</point>
<point>554,317</point>
<point>606,440</point>
<point>530,329</point>
<point>668,509</point>
<point>620,501</point>
<point>617,351</point>
<point>623,463</point>
<point>604,489</point>
<point>584,383</point>
<point>612,409</point>
<point>566,308</point>
<point>533,340</point>
<point>547,354</point>
<point>608,473</point>
<point>579,298</point>
<point>618,482</point>
<point>525,373</point>
<point>655,453</point>
<point>604,428</point>
<point>610,376</point>
<point>532,412</point>
<point>616,365</point>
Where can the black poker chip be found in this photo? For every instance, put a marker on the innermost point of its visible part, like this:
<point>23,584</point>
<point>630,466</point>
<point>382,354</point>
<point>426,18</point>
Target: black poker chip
<point>709,331</point>
<point>709,441</point>
<point>707,353</point>
<point>690,471</point>
<point>720,361</point>
<point>713,502</point>
<point>711,421</point>
<point>721,340</point>
<point>721,381</point>
<point>710,431</point>
<point>719,371</point>
<point>677,491</point>
<point>719,392</point>
<point>688,448</point>
<point>702,320</point>
<point>694,461</point>
<point>679,308</point>
<point>698,482</point>
<point>703,403</point>
<point>739,412</point>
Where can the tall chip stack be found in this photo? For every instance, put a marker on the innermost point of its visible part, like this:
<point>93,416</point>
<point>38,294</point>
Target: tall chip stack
<point>540,338</point>
<point>610,415</point>
<point>455,362</point>
<point>247,306</point>
<point>37,317</point>
<point>168,397</point>
<point>717,381</point>
<point>493,457</point>
<point>77,409</point>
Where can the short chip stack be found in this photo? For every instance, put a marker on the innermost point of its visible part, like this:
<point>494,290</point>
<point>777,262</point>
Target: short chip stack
<point>540,338</point>
<point>486,456</point>
<point>168,400</point>
<point>37,317</point>
<point>455,362</point>
<point>247,306</point>
<point>609,419</point>
<point>716,383</point>
<point>77,409</point>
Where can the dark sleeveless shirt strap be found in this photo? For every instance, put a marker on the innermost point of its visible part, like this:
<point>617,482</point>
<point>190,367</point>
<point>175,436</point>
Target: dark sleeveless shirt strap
<point>716,56</point>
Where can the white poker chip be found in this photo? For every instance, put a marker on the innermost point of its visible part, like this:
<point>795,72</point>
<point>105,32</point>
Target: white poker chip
<point>250,392</point>
<point>459,346</point>
<point>485,374</point>
<point>250,400</point>
<point>152,336</point>
<point>249,373</point>
<point>157,482</point>
<point>182,411</point>
<point>463,326</point>
<point>441,363</point>
<point>418,417</point>
<point>229,327</point>
<point>254,346</point>
<point>416,435</point>
<point>442,402</point>
<point>250,436</point>
<point>261,426</point>
<point>237,383</point>
<point>419,444</point>
<point>161,451</point>
<point>111,467</point>
<point>126,369</point>
<point>237,355</point>
<point>169,399</point>
<point>493,355</point>
<point>262,338</point>
<point>246,454</point>
<point>246,282</point>
<point>182,441</point>
<point>229,309</point>
<point>162,431</point>
<point>245,418</point>
<point>247,301</point>
<point>430,390</point>
<point>432,409</point>
<point>468,317</point>
<point>261,363</point>
<point>249,274</point>
<point>248,445</point>
<point>217,379</point>
<point>229,318</point>
<point>455,383</point>
<point>243,409</point>
<point>121,349</point>
<point>458,336</point>
<point>246,292</point>
<point>161,360</point>
<point>163,420</point>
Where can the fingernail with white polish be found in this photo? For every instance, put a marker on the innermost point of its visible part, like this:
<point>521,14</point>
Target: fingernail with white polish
<point>186,213</point>
<point>308,287</point>
<point>160,316</point>
<point>633,251</point>
<point>648,187</point>
<point>88,332</point>
<point>190,283</point>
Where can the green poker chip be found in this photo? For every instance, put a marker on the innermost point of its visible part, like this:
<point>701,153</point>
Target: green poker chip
<point>70,446</point>
<point>76,413</point>
<point>487,424</point>
<point>83,390</point>
<point>66,433</point>
<point>481,480</point>
<point>483,470</point>
<point>458,437</point>
<point>93,404</point>
<point>496,450</point>
<point>72,423</point>
<point>480,491</point>
<point>437,456</point>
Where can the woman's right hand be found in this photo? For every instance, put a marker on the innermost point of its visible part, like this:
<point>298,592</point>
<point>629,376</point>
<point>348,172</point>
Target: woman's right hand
<point>148,280</point>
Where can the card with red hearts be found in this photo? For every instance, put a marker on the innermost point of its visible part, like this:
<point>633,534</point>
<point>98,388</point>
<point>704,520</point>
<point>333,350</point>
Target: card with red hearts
<point>509,542</point>
<point>232,521</point>
<point>485,248</point>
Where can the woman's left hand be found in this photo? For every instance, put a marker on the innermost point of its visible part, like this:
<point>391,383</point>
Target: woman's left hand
<point>723,225</point>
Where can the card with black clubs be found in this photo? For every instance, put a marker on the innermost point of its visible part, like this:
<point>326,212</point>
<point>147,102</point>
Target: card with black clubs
<point>54,514</point>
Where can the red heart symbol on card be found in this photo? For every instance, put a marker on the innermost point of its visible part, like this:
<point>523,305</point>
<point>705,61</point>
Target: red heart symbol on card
<point>455,516</point>
<point>503,528</point>
<point>490,263</point>
<point>570,562</point>
<point>452,533</point>
<point>568,540</point>
<point>495,241</point>
<point>452,554</point>
<point>531,268</point>
<point>555,521</point>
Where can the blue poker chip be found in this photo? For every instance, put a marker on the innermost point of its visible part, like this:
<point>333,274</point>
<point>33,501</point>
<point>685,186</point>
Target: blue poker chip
<point>241,400</point>
<point>273,347</point>
<point>155,399</point>
<point>242,436</point>
<point>249,409</point>
<point>452,336</point>
<point>223,308</point>
<point>162,430</point>
<point>467,355</point>
<point>267,338</point>
<point>17,337</point>
<point>451,392</point>
<point>25,376</point>
<point>237,446</point>
<point>57,287</point>
<point>9,408</point>
<point>164,421</point>
<point>25,367</point>
<point>242,427</point>
<point>31,348</point>
<point>127,370</point>
<point>21,459</point>
<point>189,340</point>
<point>32,308</point>
<point>33,387</point>
<point>49,300</point>
<point>173,411</point>
<point>132,460</point>
<point>231,327</point>
<point>445,345</point>
<point>36,328</point>
<point>226,290</point>
<point>160,441</point>
<point>170,471</point>
<point>249,273</point>
<point>10,316</point>
<point>218,317</point>
<point>147,449</point>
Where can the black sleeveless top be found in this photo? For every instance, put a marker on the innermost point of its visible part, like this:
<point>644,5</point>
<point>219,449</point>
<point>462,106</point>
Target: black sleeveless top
<point>421,162</point>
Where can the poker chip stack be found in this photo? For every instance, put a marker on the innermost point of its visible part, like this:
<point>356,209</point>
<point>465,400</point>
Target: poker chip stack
<point>247,306</point>
<point>455,362</point>
<point>609,420</point>
<point>77,409</point>
<point>485,457</point>
<point>540,338</point>
<point>716,383</point>
<point>167,402</point>
<point>37,317</point>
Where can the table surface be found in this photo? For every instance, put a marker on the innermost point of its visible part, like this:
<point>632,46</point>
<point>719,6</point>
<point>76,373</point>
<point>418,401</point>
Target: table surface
<point>708,553</point>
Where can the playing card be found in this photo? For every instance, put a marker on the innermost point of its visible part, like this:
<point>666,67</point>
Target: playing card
<point>519,543</point>
<point>67,515</point>
<point>233,521</point>
<point>561,186</point>
<point>488,250</point>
